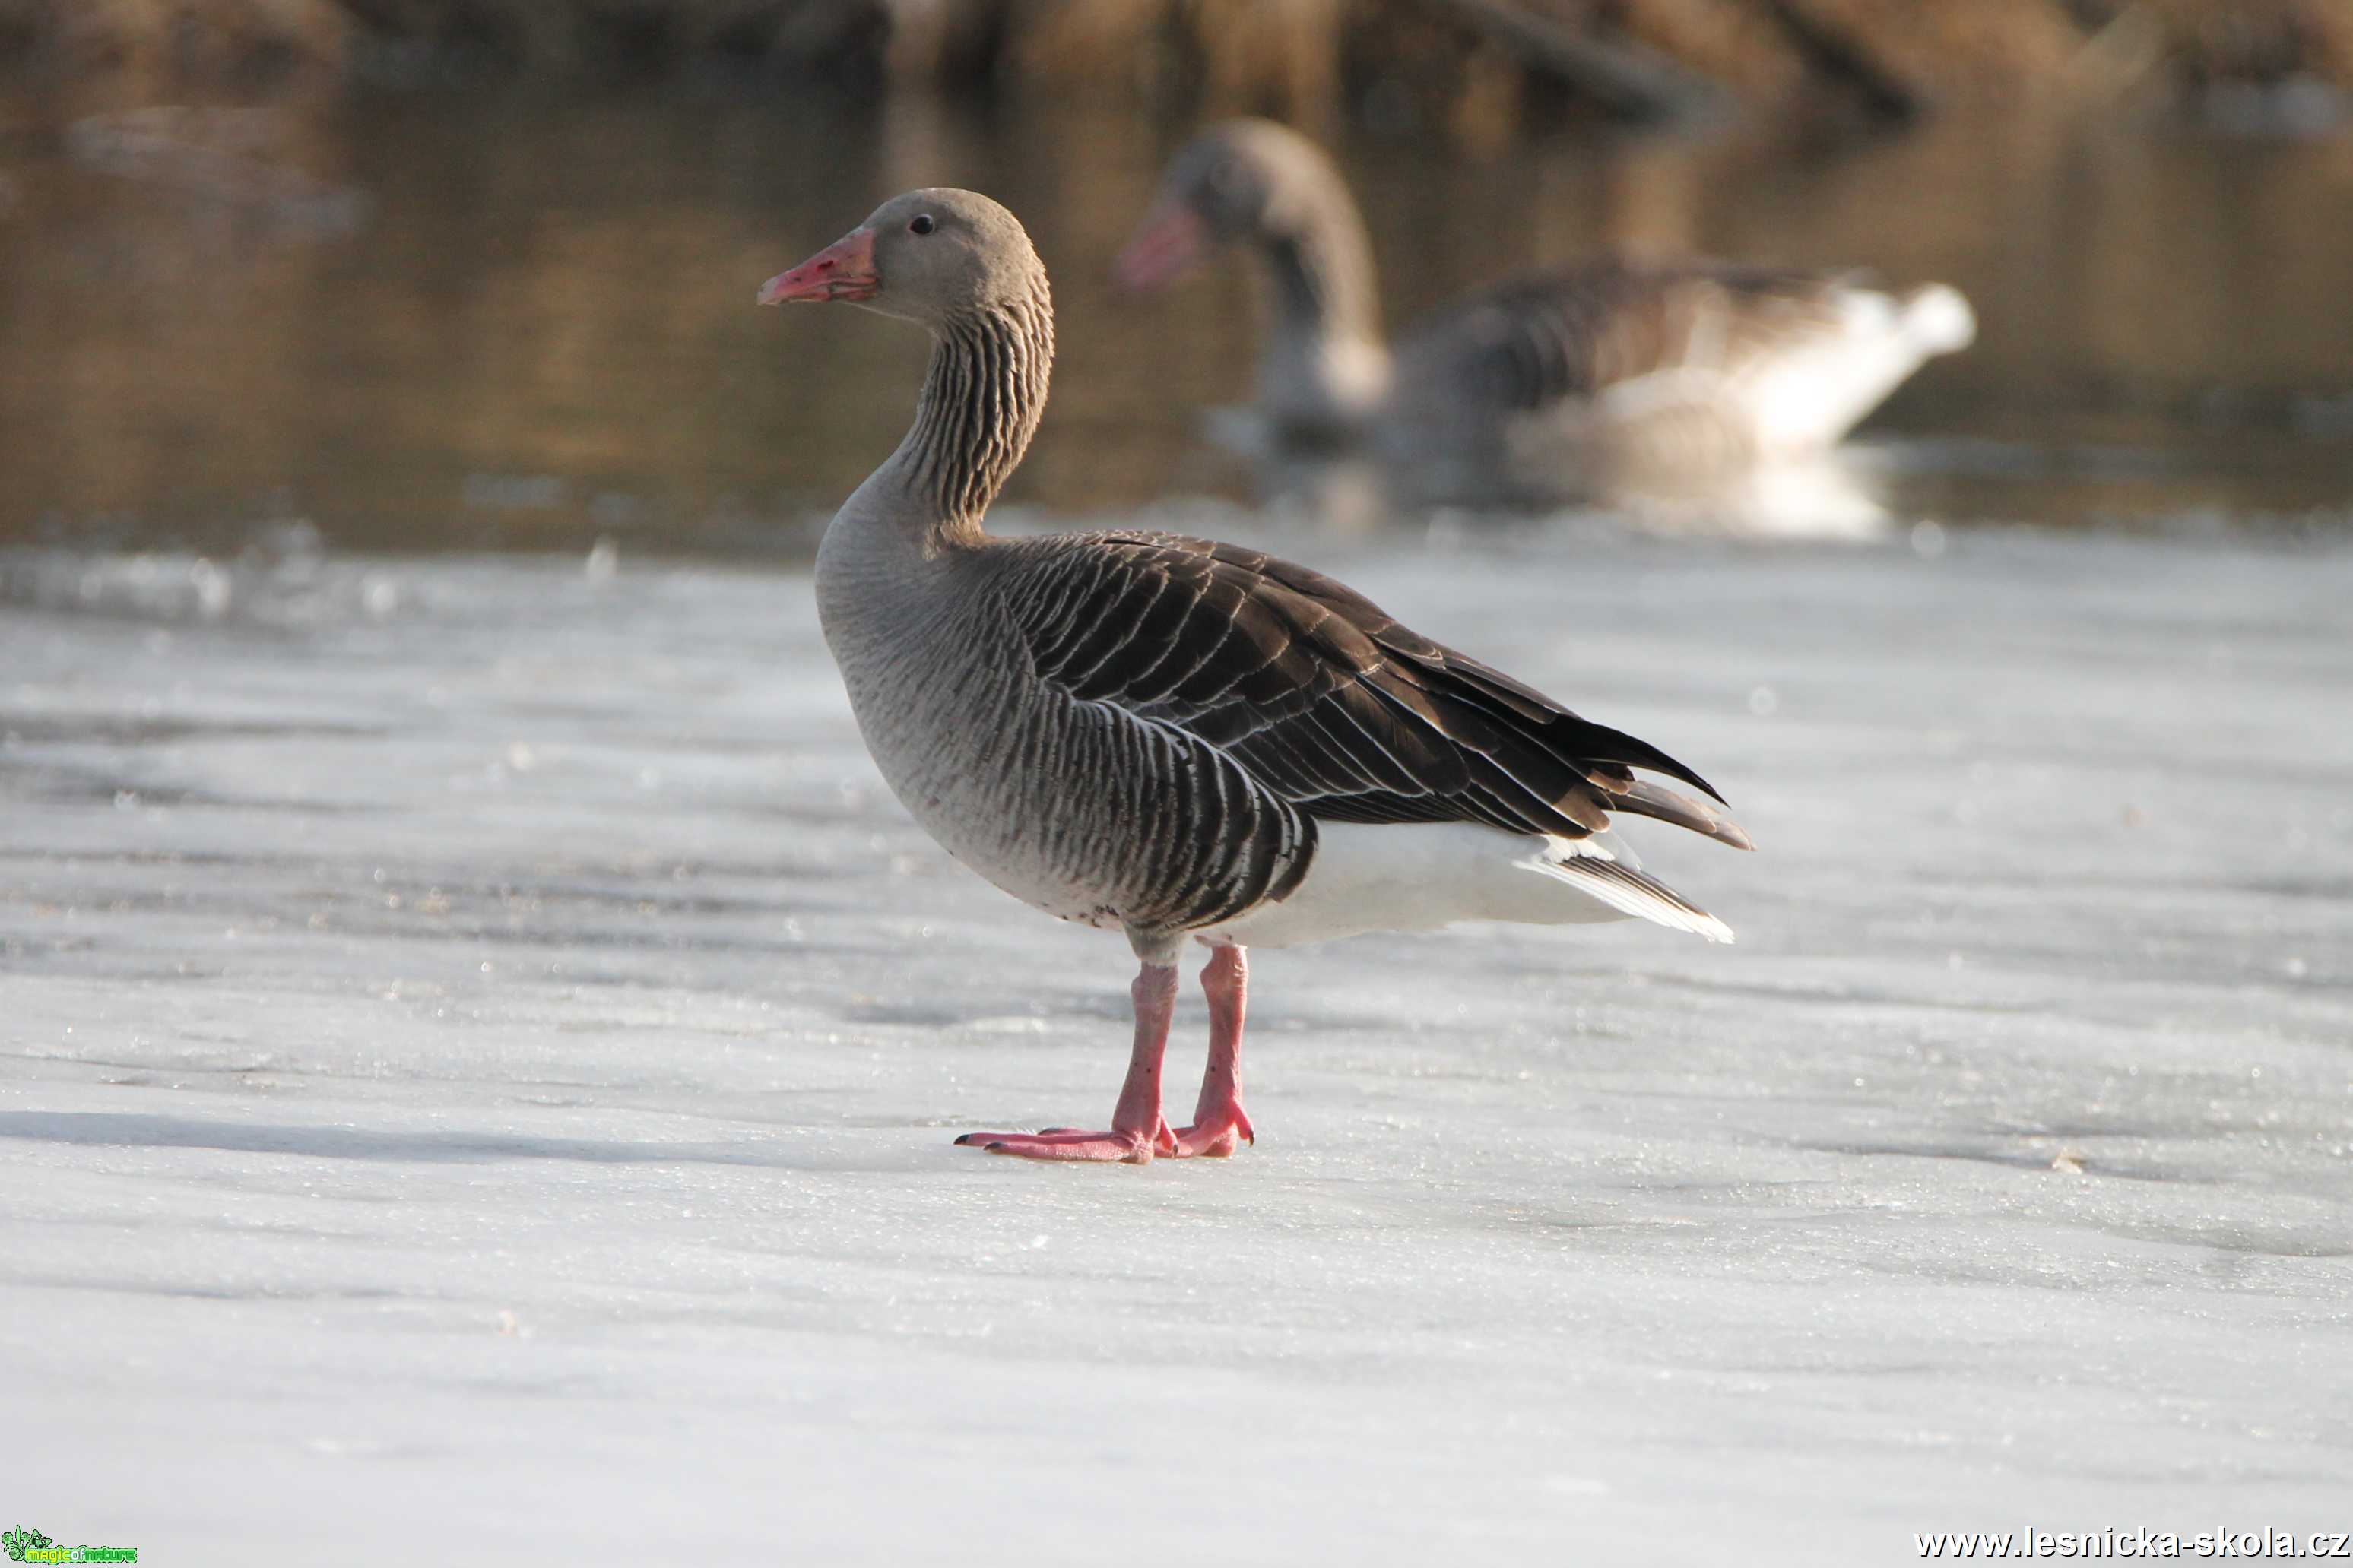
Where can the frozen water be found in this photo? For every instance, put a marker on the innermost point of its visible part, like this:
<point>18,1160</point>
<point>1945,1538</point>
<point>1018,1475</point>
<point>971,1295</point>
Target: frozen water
<point>480,1053</point>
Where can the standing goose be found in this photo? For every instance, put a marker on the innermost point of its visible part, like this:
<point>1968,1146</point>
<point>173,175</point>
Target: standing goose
<point>1617,371</point>
<point>1171,737</point>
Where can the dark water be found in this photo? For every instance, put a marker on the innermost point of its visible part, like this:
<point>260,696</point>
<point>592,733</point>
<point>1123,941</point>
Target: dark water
<point>422,323</point>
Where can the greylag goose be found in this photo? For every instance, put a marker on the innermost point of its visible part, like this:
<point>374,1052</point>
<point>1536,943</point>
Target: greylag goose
<point>1171,737</point>
<point>1614,371</point>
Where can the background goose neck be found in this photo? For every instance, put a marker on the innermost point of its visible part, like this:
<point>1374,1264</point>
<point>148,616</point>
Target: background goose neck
<point>1324,347</point>
<point>1323,282</point>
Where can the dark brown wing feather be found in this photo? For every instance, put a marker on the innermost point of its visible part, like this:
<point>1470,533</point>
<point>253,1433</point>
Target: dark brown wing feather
<point>1326,701</point>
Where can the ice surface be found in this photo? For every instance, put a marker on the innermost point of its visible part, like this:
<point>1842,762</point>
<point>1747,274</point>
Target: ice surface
<point>480,1053</point>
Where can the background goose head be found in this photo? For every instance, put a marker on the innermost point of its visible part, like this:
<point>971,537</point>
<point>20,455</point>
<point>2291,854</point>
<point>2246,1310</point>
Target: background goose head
<point>1243,179</point>
<point>934,257</point>
<point>1323,369</point>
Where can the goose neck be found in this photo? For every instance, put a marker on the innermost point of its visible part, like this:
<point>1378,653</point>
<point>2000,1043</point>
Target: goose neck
<point>1322,267</point>
<point>982,398</point>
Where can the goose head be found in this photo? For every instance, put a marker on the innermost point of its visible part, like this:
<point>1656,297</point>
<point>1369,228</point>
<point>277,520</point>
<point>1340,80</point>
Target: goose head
<point>932,256</point>
<point>1244,179</point>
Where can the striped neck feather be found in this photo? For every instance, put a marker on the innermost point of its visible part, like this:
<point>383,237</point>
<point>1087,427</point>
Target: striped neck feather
<point>981,402</point>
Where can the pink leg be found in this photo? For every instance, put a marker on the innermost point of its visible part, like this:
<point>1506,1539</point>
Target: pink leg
<point>1219,1125</point>
<point>1139,1130</point>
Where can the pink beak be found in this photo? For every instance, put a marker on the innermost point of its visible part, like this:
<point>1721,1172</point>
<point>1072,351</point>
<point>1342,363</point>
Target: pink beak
<point>1171,238</point>
<point>842,270</point>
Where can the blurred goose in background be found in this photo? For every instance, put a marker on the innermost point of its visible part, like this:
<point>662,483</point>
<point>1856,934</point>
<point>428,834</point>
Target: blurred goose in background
<point>1609,374</point>
<point>1174,738</point>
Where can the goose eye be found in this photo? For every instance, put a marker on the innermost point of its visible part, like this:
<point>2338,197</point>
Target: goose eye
<point>919,224</point>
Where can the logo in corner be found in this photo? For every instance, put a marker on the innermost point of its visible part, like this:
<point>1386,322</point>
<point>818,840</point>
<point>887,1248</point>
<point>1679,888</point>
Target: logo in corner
<point>31,1546</point>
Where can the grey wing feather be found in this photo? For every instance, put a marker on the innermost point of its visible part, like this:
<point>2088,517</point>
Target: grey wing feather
<point>1532,342</point>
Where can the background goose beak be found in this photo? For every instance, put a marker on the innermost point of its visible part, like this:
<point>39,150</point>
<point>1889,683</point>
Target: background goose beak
<point>1171,238</point>
<point>842,270</point>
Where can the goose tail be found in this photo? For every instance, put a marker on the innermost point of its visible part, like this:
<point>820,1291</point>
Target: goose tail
<point>1602,871</point>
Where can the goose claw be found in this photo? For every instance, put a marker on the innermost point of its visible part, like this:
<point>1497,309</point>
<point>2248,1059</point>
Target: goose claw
<point>1065,1143</point>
